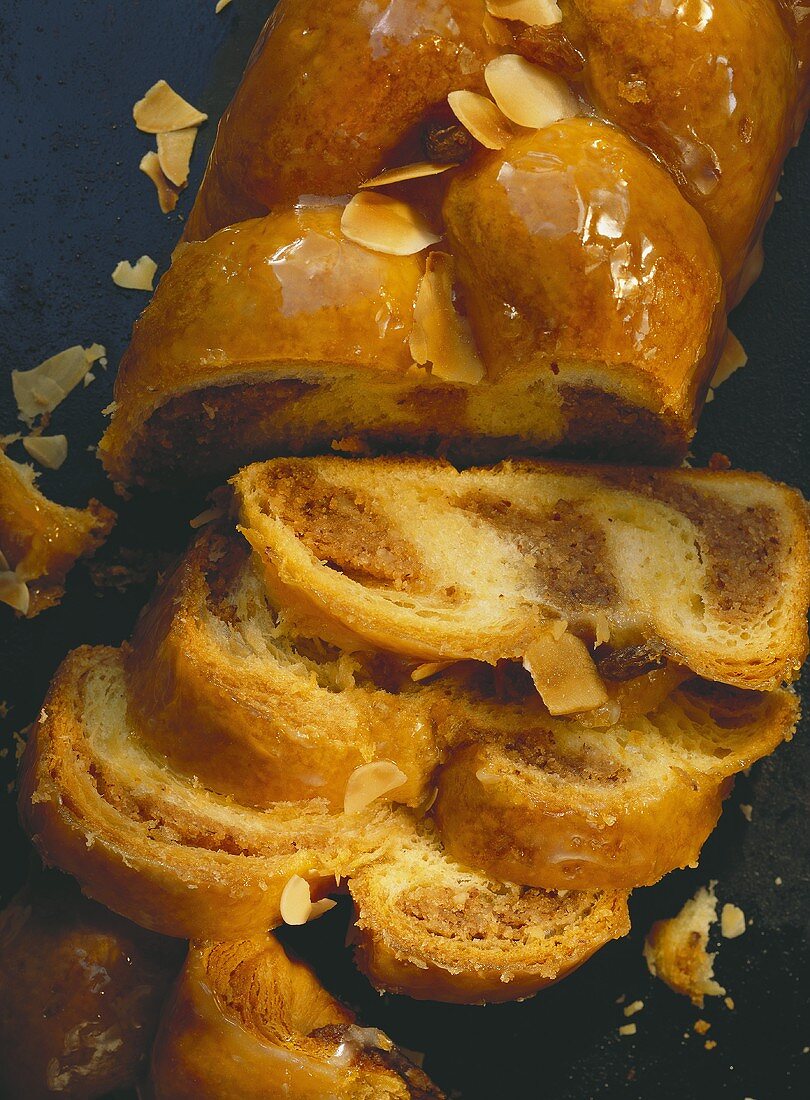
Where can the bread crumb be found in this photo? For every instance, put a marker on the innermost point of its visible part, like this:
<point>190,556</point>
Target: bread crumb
<point>628,1029</point>
<point>729,1003</point>
<point>732,921</point>
<point>746,810</point>
<point>633,1008</point>
<point>622,999</point>
<point>676,949</point>
<point>778,880</point>
<point>137,276</point>
<point>710,1044</point>
<point>701,1026</point>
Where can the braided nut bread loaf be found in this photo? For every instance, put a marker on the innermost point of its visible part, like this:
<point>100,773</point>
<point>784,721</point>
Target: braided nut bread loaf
<point>586,243</point>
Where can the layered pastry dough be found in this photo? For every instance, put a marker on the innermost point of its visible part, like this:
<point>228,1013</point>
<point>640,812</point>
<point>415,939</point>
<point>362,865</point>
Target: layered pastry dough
<point>154,844</point>
<point>248,1021</point>
<point>222,687</point>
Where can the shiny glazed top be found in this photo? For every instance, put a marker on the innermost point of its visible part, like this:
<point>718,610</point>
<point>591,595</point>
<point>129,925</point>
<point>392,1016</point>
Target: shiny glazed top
<point>572,243</point>
<point>330,90</point>
<point>710,87</point>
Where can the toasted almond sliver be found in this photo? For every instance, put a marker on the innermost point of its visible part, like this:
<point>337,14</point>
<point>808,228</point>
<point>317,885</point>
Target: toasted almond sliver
<point>14,592</point>
<point>168,194</point>
<point>296,904</point>
<point>732,359</point>
<point>528,95</point>
<point>41,389</point>
<point>535,13</point>
<point>174,151</point>
<point>564,673</point>
<point>732,921</point>
<point>221,5</point>
<point>496,31</point>
<point>162,110</point>
<point>369,782</point>
<point>206,517</point>
<point>602,628</point>
<point>137,276</point>
<point>386,225</point>
<point>408,172</point>
<point>428,669</point>
<point>440,335</point>
<point>49,450</point>
<point>487,124</point>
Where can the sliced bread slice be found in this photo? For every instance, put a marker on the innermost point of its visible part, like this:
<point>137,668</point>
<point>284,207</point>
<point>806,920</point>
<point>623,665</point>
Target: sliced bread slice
<point>247,1020</point>
<point>417,558</point>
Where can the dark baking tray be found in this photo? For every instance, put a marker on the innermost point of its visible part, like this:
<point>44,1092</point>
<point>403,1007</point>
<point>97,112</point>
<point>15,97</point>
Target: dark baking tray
<point>74,204</point>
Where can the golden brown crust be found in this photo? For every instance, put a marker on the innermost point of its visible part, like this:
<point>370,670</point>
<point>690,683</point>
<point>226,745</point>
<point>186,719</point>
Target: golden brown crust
<point>42,540</point>
<point>248,1020</point>
<point>80,994</point>
<point>370,71</point>
<point>715,100</point>
<point>600,260</point>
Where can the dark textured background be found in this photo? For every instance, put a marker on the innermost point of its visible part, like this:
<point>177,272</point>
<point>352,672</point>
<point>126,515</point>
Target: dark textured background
<point>74,204</point>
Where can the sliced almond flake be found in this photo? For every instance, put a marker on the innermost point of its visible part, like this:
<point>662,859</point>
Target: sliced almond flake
<point>297,906</point>
<point>14,592</point>
<point>424,808</point>
<point>564,673</point>
<point>88,378</point>
<point>408,172</point>
<point>535,13</point>
<point>497,32</point>
<point>174,151</point>
<point>221,6</point>
<point>206,517</point>
<point>732,359</point>
<point>440,335</point>
<point>48,450</point>
<point>369,782</point>
<point>428,669</point>
<point>162,111</point>
<point>480,116</point>
<point>168,194</point>
<point>528,95</point>
<point>137,276</point>
<point>602,628</point>
<point>41,389</point>
<point>386,225</point>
